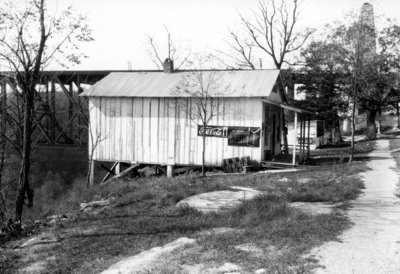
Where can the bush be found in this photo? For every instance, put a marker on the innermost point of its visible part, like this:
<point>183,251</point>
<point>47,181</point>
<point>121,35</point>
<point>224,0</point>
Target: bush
<point>53,186</point>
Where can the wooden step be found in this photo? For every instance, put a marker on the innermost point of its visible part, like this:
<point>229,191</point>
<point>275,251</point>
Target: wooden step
<point>272,164</point>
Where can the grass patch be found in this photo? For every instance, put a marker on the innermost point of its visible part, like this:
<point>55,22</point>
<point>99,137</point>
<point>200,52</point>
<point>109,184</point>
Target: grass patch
<point>8,261</point>
<point>142,215</point>
<point>277,234</point>
<point>344,149</point>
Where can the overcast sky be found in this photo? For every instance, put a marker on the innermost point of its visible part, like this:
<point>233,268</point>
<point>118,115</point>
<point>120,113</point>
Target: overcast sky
<point>119,25</point>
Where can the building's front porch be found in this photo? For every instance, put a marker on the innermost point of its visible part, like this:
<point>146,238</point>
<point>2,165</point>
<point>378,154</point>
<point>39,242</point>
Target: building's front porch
<point>292,155</point>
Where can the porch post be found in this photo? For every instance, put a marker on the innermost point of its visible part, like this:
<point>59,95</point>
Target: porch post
<point>301,137</point>
<point>118,168</point>
<point>170,171</point>
<point>304,137</point>
<point>295,138</point>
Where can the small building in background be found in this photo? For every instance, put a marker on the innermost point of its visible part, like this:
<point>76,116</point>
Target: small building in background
<point>316,134</point>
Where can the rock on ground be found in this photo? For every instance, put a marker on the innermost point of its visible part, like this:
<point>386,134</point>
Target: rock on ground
<point>94,204</point>
<point>219,200</point>
<point>41,240</point>
<point>143,260</point>
<point>229,267</point>
<point>315,208</point>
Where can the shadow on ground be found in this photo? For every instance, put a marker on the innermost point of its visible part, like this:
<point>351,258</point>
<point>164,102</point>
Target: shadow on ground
<point>338,159</point>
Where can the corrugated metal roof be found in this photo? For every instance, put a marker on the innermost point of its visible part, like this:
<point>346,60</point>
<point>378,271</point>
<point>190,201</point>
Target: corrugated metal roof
<point>250,83</point>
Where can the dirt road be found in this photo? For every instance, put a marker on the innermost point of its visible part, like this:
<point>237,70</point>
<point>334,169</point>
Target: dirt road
<point>372,245</point>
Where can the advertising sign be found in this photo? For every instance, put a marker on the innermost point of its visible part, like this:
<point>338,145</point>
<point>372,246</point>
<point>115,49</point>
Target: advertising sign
<point>244,136</point>
<point>212,131</point>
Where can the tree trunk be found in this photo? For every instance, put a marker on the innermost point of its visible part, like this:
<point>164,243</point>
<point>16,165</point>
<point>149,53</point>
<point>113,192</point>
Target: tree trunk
<point>371,127</point>
<point>379,123</point>
<point>398,115</point>
<point>23,182</point>
<point>203,170</point>
<point>89,173</point>
<point>353,125</point>
<point>337,137</point>
<point>3,129</point>
<point>330,136</point>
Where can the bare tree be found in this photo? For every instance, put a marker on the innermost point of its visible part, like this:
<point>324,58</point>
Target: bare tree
<point>200,94</point>
<point>274,29</point>
<point>95,138</point>
<point>171,49</point>
<point>240,54</point>
<point>31,37</point>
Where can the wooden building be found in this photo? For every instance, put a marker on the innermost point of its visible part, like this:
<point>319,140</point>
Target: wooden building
<point>133,121</point>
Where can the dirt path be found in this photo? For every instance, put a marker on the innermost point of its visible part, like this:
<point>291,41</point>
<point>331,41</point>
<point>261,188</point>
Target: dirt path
<point>372,245</point>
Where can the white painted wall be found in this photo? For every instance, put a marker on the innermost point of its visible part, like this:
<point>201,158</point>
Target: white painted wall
<point>147,130</point>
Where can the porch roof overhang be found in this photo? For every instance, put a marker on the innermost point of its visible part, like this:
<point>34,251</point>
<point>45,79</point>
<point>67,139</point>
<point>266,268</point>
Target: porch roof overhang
<point>298,110</point>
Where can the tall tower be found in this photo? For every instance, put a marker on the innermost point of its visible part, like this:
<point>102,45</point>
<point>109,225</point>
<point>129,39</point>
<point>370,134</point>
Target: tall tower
<point>367,30</point>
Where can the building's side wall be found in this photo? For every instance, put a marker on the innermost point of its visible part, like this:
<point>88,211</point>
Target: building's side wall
<point>152,130</point>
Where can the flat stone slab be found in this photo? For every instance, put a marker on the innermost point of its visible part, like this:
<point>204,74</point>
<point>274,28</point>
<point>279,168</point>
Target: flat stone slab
<point>47,238</point>
<point>280,170</point>
<point>144,260</point>
<point>219,200</point>
<point>229,267</point>
<point>314,208</point>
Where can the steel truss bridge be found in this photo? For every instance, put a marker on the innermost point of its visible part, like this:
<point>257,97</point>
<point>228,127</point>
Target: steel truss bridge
<point>61,115</point>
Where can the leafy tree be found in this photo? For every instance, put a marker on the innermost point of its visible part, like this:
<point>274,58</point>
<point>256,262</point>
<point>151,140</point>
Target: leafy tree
<point>323,85</point>
<point>389,42</point>
<point>356,68</point>
<point>32,37</point>
<point>367,70</point>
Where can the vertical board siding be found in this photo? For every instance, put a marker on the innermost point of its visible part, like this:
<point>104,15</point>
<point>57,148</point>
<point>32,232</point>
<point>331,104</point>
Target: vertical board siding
<point>102,129</point>
<point>113,123</point>
<point>93,125</point>
<point>146,156</point>
<point>117,131</point>
<point>178,140</point>
<point>171,131</point>
<point>161,129</point>
<point>152,130</point>
<point>129,144</point>
<point>138,115</point>
<point>123,136</point>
